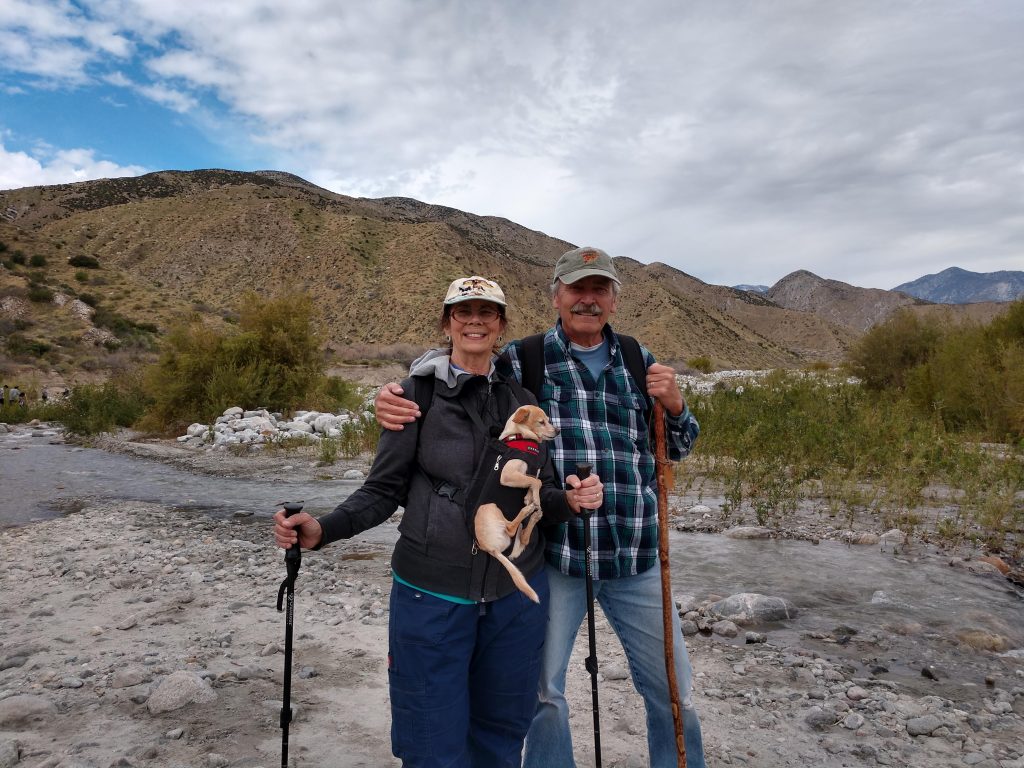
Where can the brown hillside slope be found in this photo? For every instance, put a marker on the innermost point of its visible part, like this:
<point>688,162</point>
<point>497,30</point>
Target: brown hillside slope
<point>173,243</point>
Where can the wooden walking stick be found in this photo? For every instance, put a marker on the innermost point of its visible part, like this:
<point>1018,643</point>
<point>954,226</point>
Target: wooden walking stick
<point>664,475</point>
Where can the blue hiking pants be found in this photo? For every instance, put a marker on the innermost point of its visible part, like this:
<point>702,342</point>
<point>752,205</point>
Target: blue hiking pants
<point>463,678</point>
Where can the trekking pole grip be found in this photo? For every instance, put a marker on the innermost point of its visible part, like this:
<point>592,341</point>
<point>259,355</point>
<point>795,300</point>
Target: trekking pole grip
<point>292,508</point>
<point>583,472</point>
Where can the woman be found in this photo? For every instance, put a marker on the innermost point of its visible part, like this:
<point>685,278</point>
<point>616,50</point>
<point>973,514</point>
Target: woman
<point>464,643</point>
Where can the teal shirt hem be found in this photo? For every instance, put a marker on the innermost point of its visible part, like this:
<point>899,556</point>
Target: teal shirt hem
<point>449,598</point>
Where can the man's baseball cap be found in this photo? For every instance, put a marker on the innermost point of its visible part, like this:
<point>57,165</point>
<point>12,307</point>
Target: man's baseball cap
<point>584,262</point>
<point>476,287</point>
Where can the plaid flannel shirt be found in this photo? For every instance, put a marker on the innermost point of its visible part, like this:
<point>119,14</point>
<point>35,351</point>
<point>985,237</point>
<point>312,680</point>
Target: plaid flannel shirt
<point>604,424</point>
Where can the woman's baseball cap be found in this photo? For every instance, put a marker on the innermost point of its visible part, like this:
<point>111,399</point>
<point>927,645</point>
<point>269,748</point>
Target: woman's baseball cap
<point>476,287</point>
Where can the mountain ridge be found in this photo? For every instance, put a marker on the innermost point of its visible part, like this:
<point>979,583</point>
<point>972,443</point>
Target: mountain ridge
<point>956,285</point>
<point>175,243</point>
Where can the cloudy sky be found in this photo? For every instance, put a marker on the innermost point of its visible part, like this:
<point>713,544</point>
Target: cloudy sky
<point>869,142</point>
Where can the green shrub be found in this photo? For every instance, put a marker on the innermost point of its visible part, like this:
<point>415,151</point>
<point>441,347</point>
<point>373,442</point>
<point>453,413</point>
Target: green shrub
<point>974,378</point>
<point>92,409</point>
<point>272,360</point>
<point>81,276</point>
<point>861,451</point>
<point>359,436</point>
<point>37,260</point>
<point>88,262</point>
<point>18,257</point>
<point>701,363</point>
<point>39,293</point>
<point>884,355</point>
<point>329,447</point>
<point>18,345</point>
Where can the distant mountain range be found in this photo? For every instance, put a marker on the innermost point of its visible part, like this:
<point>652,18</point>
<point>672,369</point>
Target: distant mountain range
<point>151,250</point>
<point>959,286</point>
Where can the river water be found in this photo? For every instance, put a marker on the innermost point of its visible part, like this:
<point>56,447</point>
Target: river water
<point>905,610</point>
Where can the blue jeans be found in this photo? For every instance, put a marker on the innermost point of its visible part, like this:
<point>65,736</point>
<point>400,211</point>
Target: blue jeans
<point>632,605</point>
<point>463,678</point>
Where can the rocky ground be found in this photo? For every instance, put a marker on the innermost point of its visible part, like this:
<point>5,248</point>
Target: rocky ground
<point>134,635</point>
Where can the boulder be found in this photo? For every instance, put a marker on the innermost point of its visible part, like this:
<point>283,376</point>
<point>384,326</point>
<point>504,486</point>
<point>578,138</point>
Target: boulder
<point>983,640</point>
<point>748,532</point>
<point>751,608</point>
<point>23,707</point>
<point>180,689</point>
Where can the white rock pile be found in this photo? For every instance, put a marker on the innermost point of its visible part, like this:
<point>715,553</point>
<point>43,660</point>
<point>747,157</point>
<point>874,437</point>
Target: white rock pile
<point>709,382</point>
<point>240,427</point>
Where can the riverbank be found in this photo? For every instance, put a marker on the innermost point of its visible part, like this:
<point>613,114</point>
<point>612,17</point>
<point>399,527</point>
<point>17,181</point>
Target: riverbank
<point>134,634</point>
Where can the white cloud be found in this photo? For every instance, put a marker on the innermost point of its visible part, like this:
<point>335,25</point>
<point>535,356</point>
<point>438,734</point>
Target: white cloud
<point>20,169</point>
<point>868,141</point>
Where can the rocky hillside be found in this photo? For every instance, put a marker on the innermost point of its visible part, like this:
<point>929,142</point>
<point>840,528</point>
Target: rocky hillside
<point>960,286</point>
<point>857,309</point>
<point>95,272</point>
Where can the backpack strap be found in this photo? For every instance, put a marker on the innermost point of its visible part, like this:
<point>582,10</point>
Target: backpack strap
<point>633,357</point>
<point>423,393</point>
<point>531,363</point>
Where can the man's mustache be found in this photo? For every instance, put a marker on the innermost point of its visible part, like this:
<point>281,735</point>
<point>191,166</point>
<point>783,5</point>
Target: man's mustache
<point>580,308</point>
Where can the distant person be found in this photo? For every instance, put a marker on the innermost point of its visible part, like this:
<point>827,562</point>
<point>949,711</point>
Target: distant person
<point>3,396</point>
<point>66,394</point>
<point>22,400</point>
<point>464,644</point>
<point>43,396</point>
<point>590,392</point>
<point>13,394</point>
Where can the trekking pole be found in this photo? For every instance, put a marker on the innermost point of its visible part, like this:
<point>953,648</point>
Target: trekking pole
<point>583,472</point>
<point>292,561</point>
<point>664,473</point>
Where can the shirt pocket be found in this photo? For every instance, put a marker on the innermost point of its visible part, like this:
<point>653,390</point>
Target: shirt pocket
<point>626,416</point>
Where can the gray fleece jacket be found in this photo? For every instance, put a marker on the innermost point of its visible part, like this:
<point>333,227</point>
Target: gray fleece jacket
<point>435,549</point>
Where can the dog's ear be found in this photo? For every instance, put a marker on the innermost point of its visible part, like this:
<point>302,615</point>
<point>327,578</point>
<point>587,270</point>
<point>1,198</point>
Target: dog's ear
<point>521,415</point>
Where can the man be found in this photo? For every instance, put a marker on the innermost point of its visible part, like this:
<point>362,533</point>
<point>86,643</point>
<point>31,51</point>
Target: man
<point>589,393</point>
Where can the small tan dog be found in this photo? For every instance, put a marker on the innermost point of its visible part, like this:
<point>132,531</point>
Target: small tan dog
<point>524,430</point>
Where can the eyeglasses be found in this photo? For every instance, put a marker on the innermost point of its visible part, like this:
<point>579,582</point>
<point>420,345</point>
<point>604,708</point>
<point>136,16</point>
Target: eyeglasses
<point>465,314</point>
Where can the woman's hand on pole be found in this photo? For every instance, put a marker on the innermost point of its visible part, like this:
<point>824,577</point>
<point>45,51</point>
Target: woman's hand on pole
<point>584,494</point>
<point>392,410</point>
<point>301,527</point>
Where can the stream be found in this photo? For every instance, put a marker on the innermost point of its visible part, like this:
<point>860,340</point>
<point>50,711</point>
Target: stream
<point>899,613</point>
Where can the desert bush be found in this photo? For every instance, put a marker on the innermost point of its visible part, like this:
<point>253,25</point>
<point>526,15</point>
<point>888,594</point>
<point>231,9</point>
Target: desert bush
<point>40,293</point>
<point>37,260</point>
<point>335,394</point>
<point>359,436</point>
<point>793,437</point>
<point>701,363</point>
<point>18,257</point>
<point>273,360</point>
<point>92,409</point>
<point>19,346</point>
<point>87,262</point>
<point>82,276</point>
<point>884,355</point>
<point>974,378</point>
